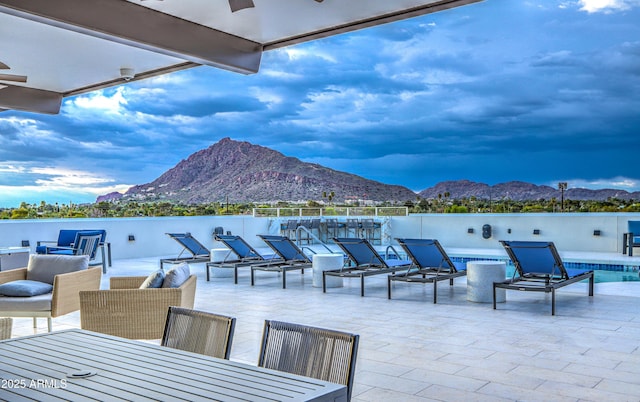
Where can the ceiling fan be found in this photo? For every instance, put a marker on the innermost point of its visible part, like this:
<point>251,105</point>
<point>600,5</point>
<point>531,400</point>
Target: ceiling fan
<point>237,5</point>
<point>11,77</point>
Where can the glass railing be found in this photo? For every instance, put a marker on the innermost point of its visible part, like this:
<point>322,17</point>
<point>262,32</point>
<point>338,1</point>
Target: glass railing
<point>330,211</point>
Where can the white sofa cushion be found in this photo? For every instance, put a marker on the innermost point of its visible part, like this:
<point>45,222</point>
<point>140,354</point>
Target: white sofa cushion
<point>22,304</point>
<point>176,276</point>
<point>44,267</point>
<point>154,280</point>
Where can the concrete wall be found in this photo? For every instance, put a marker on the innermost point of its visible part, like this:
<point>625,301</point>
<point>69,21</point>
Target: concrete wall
<point>570,232</point>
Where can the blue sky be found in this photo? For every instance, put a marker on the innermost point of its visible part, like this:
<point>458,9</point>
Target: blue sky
<point>539,91</point>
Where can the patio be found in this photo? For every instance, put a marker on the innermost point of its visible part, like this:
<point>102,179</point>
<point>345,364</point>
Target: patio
<point>414,350</point>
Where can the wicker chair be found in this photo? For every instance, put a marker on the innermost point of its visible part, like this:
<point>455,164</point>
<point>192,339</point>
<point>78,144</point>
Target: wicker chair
<point>68,275</point>
<point>127,311</point>
<point>5,327</point>
<point>199,332</point>
<point>313,352</point>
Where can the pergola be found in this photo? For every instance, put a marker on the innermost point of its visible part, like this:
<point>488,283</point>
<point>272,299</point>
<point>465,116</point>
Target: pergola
<point>53,49</point>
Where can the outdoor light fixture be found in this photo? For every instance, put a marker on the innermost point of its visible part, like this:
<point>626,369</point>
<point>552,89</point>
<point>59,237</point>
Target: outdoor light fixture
<point>132,238</point>
<point>470,230</point>
<point>509,230</point>
<point>237,5</point>
<point>127,74</point>
<point>536,231</point>
<point>596,232</point>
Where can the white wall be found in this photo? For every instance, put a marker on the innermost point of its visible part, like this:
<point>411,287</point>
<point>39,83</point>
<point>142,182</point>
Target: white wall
<point>150,233</point>
<point>570,232</point>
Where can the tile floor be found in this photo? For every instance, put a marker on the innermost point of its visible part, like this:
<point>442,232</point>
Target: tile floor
<point>413,350</point>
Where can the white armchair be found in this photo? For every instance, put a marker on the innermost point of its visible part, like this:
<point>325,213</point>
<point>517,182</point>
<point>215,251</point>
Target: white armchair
<point>66,275</point>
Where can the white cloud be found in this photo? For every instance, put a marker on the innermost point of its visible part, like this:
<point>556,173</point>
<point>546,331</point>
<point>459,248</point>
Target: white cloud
<point>620,183</point>
<point>266,96</point>
<point>54,184</point>
<point>281,74</point>
<point>100,101</point>
<point>308,52</point>
<point>67,178</point>
<point>607,6</point>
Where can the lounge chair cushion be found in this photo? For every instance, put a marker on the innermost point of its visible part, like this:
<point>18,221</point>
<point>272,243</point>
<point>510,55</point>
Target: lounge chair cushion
<point>24,288</point>
<point>176,276</point>
<point>154,280</point>
<point>44,267</point>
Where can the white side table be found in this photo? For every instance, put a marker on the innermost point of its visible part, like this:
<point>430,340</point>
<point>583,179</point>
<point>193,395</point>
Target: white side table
<point>480,278</point>
<point>326,262</point>
<point>219,255</point>
<point>13,257</point>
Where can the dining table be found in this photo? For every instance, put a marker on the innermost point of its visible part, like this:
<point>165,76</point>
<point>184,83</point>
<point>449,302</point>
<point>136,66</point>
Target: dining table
<point>80,365</point>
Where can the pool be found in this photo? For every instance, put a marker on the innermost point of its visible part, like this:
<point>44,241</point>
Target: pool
<point>603,272</point>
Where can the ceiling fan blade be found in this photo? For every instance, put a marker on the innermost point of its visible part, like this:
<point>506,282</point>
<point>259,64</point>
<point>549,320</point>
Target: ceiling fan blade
<point>14,78</point>
<point>3,66</point>
<point>237,5</point>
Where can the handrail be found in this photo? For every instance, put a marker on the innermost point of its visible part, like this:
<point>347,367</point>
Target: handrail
<point>386,252</point>
<point>299,238</point>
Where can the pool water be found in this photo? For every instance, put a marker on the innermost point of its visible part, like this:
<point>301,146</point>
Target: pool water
<point>603,272</point>
<point>601,275</point>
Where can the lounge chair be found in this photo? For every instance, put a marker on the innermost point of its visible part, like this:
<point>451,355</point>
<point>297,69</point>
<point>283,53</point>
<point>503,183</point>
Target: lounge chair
<point>431,264</point>
<point>198,252</point>
<point>241,254</point>
<point>69,243</point>
<point>631,239</point>
<point>367,262</point>
<point>291,258</point>
<point>539,268</point>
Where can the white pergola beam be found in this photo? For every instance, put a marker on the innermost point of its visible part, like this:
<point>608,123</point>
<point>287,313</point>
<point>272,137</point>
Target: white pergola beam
<point>130,24</point>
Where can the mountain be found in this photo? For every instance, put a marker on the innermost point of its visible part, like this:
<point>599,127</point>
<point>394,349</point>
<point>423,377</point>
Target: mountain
<point>519,191</point>
<point>243,172</point>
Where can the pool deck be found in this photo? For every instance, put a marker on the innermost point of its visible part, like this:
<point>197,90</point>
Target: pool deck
<point>414,350</point>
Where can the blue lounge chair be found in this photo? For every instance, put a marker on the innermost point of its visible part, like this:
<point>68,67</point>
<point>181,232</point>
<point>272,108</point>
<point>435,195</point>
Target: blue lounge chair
<point>431,264</point>
<point>197,252</point>
<point>539,268</point>
<point>241,254</point>
<point>291,258</point>
<point>631,239</point>
<point>67,245</point>
<point>366,262</point>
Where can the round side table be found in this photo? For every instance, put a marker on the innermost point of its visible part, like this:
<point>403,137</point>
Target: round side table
<point>219,255</point>
<point>480,278</point>
<point>326,262</point>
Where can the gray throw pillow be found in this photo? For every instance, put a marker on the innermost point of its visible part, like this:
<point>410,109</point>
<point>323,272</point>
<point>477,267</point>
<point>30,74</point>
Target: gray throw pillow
<point>154,280</point>
<point>44,267</point>
<point>25,288</point>
<point>176,276</point>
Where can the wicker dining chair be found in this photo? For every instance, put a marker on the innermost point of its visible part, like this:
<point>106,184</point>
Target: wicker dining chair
<point>199,332</point>
<point>313,352</point>
<point>6,324</point>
